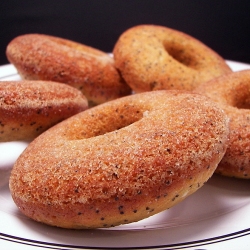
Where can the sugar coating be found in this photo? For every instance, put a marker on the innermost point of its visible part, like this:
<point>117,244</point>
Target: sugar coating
<point>232,92</point>
<point>121,161</point>
<point>28,108</point>
<point>43,57</point>
<point>152,57</point>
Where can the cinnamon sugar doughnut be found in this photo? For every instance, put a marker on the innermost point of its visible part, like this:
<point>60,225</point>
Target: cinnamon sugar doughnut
<point>43,57</point>
<point>152,57</point>
<point>28,108</point>
<point>232,92</point>
<point>121,161</point>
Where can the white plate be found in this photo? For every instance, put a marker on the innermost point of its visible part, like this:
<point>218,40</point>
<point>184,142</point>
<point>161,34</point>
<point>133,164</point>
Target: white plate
<point>215,217</point>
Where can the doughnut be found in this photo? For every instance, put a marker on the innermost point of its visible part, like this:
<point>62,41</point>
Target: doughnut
<point>28,108</point>
<point>232,93</point>
<point>44,57</point>
<point>152,57</point>
<point>120,161</point>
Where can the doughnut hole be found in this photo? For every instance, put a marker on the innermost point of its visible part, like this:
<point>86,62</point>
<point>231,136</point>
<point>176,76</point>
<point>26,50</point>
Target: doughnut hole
<point>231,89</point>
<point>240,95</point>
<point>186,57</point>
<point>118,118</point>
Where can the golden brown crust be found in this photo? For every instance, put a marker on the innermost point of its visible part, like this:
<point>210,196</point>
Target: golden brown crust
<point>121,161</point>
<point>28,108</point>
<point>232,92</point>
<point>43,57</point>
<point>152,57</point>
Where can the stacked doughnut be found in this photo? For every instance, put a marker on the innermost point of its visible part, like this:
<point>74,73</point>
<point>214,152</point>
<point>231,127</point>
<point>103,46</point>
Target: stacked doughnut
<point>121,161</point>
<point>130,156</point>
<point>28,108</point>
<point>43,57</point>
<point>152,57</point>
<point>232,92</point>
